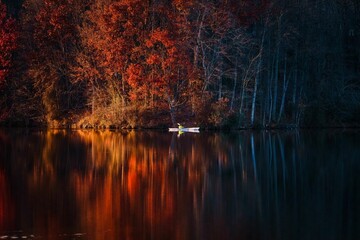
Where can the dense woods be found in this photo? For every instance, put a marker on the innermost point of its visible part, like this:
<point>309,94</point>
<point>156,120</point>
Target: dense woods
<point>222,63</point>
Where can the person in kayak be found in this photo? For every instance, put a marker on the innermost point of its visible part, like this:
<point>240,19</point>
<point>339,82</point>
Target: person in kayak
<point>180,126</point>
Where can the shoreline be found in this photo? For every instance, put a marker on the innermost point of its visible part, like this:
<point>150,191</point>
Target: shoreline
<point>163,128</point>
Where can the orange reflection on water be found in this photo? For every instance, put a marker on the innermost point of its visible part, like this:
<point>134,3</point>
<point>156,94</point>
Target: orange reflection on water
<point>98,204</point>
<point>108,185</point>
<point>125,192</point>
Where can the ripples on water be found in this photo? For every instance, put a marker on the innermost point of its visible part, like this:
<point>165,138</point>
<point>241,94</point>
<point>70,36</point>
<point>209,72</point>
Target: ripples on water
<point>157,185</point>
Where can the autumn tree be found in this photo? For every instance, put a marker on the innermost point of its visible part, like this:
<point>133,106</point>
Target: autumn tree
<point>167,66</point>
<point>111,37</point>
<point>133,54</point>
<point>8,37</point>
<point>51,30</point>
<point>88,69</point>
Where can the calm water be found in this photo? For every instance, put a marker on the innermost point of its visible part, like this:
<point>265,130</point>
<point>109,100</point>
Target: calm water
<point>157,185</point>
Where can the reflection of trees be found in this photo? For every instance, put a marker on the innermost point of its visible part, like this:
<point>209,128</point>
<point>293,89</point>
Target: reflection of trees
<point>130,174</point>
<point>35,163</point>
<point>135,187</point>
<point>156,185</point>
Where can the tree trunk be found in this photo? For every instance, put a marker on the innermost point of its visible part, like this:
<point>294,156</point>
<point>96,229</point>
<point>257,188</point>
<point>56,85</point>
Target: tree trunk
<point>285,86</point>
<point>271,99</point>
<point>255,93</point>
<point>235,85</point>
<point>257,77</point>
<point>294,96</point>
<point>198,40</point>
<point>172,112</point>
<point>220,81</point>
<point>275,95</point>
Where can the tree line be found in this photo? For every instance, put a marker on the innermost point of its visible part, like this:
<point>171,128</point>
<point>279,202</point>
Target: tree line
<point>222,63</point>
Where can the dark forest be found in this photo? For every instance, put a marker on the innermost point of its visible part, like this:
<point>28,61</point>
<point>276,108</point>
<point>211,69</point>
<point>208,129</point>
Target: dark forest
<point>136,63</point>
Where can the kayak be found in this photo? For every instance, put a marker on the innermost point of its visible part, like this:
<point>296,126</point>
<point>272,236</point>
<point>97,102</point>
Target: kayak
<point>191,129</point>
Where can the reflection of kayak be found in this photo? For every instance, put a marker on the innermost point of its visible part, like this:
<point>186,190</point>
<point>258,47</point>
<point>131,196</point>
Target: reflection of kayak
<point>192,129</point>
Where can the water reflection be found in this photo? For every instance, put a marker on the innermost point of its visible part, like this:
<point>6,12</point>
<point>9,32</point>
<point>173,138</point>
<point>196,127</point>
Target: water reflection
<point>128,185</point>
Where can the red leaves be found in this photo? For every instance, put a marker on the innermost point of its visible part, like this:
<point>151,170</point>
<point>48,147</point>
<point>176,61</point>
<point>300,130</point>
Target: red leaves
<point>153,59</point>
<point>162,36</point>
<point>8,36</point>
<point>134,73</point>
<point>54,21</point>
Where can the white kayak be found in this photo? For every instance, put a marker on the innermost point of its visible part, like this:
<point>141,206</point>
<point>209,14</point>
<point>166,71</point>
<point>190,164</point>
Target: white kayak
<point>191,129</point>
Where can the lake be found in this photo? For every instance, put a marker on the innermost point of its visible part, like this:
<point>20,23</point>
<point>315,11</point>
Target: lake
<point>61,184</point>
